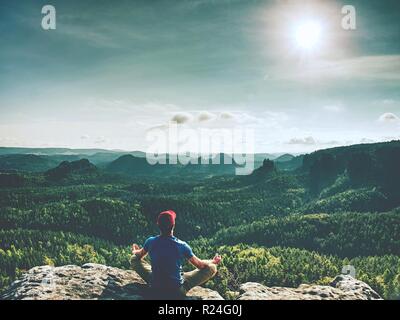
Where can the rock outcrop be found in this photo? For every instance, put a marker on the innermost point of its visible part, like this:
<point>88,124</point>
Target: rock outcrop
<point>95,281</point>
<point>343,287</point>
<point>91,281</point>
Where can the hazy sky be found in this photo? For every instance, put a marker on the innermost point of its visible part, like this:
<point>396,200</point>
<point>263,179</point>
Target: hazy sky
<point>112,70</point>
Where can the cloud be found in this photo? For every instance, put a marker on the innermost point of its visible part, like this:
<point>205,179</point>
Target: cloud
<point>388,117</point>
<point>302,141</point>
<point>382,67</point>
<point>205,116</point>
<point>366,140</point>
<point>85,137</point>
<point>5,141</point>
<point>331,142</point>
<point>388,101</point>
<point>100,140</point>
<point>241,117</point>
<point>390,138</point>
<point>227,115</point>
<point>214,118</point>
<point>182,118</point>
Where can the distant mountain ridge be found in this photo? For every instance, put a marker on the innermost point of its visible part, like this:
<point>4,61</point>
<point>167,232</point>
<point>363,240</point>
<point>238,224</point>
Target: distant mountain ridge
<point>285,157</point>
<point>134,166</point>
<point>26,162</point>
<point>67,169</point>
<point>135,163</point>
<point>341,153</point>
<point>54,151</point>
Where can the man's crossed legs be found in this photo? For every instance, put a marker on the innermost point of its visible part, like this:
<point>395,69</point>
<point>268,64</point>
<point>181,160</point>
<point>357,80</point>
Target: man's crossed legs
<point>191,279</point>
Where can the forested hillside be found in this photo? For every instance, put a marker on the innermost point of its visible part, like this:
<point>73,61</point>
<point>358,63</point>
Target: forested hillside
<point>283,226</point>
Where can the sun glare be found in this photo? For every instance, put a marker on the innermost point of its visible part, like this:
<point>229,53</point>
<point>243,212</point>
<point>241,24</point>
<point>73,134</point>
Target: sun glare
<point>308,35</point>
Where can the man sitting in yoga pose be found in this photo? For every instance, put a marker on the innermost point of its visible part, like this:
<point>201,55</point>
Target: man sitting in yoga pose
<point>167,254</point>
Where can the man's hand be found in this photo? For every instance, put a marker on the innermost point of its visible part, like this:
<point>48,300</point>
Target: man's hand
<point>138,252</point>
<point>136,249</point>
<point>217,259</point>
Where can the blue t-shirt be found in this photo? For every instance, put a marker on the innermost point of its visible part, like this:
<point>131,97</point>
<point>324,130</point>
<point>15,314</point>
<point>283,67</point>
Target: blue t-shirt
<point>167,254</point>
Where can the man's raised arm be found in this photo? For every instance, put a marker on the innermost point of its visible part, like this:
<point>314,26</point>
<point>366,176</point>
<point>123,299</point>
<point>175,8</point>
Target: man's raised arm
<point>201,264</point>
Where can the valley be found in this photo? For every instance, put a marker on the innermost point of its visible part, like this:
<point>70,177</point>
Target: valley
<point>294,220</point>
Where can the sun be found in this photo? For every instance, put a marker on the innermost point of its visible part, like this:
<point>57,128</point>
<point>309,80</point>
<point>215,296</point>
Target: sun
<point>308,34</point>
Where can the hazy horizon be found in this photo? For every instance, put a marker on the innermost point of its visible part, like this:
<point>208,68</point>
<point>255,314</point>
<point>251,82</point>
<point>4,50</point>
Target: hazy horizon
<point>138,150</point>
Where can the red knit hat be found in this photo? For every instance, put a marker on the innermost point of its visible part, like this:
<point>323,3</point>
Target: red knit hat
<point>170,214</point>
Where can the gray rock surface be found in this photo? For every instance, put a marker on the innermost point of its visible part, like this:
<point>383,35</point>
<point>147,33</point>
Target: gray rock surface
<point>343,287</point>
<point>89,282</point>
<point>95,281</point>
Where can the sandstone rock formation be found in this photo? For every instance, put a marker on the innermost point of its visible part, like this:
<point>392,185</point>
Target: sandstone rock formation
<point>343,287</point>
<point>95,281</point>
<point>91,281</point>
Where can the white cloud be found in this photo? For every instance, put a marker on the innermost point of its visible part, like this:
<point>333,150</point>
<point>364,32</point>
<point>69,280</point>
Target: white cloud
<point>384,67</point>
<point>216,118</point>
<point>243,117</point>
<point>226,115</point>
<point>182,118</point>
<point>303,141</point>
<point>330,142</point>
<point>366,140</point>
<point>100,140</point>
<point>388,101</point>
<point>6,141</point>
<point>389,117</point>
<point>205,116</point>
